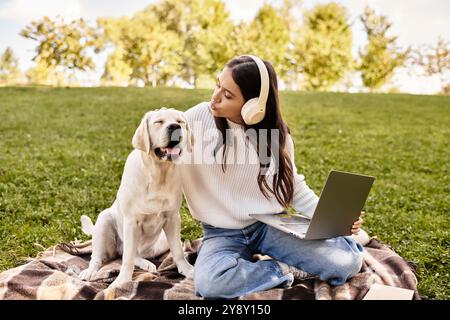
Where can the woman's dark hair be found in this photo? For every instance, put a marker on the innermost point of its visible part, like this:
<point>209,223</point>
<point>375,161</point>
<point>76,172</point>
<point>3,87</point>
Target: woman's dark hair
<point>245,74</point>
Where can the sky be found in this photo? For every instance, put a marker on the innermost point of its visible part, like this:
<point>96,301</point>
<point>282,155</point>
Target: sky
<point>415,22</point>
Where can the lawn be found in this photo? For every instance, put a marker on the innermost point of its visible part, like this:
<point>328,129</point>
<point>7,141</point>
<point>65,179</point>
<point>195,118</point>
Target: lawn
<point>63,150</point>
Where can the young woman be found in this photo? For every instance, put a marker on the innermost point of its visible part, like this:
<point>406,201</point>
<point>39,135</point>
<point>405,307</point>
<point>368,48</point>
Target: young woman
<point>222,193</point>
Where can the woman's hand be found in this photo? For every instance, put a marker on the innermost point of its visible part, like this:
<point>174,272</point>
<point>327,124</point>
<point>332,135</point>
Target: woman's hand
<point>358,223</point>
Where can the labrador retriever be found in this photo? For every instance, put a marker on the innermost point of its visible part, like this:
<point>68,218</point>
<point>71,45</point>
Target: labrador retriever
<point>144,220</point>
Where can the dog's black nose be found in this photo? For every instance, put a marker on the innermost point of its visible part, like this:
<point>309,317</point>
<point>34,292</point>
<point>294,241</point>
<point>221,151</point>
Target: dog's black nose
<point>174,132</point>
<point>173,127</point>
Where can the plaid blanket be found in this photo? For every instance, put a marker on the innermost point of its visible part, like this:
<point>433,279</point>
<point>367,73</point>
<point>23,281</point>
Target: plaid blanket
<point>53,275</point>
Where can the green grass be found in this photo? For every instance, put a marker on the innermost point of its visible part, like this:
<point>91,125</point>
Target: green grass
<point>63,150</point>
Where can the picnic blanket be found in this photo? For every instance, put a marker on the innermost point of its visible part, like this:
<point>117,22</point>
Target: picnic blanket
<point>53,275</point>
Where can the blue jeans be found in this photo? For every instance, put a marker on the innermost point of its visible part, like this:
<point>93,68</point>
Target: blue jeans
<point>224,266</point>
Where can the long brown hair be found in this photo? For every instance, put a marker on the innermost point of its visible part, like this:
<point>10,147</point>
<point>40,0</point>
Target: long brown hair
<point>246,75</point>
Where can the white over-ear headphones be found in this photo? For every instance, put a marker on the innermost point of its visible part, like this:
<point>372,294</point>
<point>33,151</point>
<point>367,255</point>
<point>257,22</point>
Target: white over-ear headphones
<point>254,109</point>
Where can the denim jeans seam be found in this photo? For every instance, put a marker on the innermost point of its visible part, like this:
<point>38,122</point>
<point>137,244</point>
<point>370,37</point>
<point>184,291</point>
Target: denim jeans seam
<point>289,276</point>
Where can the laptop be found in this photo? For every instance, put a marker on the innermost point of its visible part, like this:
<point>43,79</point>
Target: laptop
<point>340,204</point>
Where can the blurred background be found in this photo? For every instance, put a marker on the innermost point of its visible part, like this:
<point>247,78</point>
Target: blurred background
<point>346,46</point>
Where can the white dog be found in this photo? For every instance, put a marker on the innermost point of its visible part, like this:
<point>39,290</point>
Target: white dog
<point>144,220</point>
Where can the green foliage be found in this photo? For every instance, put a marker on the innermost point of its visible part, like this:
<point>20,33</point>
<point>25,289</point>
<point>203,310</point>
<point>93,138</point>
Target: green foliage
<point>117,70</point>
<point>323,49</point>
<point>9,67</point>
<point>185,39</point>
<point>380,57</point>
<point>41,74</point>
<point>189,42</point>
<point>63,152</point>
<point>61,44</point>
<point>434,60</point>
<point>152,51</point>
<point>288,10</point>
<point>267,36</point>
<point>143,49</point>
<point>288,70</point>
<point>204,27</point>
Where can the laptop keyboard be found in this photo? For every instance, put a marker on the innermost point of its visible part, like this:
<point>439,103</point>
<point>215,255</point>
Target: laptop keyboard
<point>297,228</point>
<point>294,220</point>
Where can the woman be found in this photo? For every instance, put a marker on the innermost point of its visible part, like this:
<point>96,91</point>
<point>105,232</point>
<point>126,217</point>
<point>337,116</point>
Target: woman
<point>222,193</point>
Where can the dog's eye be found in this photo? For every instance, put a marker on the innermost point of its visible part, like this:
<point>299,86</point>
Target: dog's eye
<point>158,122</point>
<point>180,121</point>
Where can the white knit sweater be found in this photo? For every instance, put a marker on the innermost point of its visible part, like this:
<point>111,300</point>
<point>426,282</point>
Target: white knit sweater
<point>224,200</point>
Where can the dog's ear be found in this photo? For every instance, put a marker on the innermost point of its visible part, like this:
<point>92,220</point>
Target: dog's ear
<point>190,142</point>
<point>141,139</point>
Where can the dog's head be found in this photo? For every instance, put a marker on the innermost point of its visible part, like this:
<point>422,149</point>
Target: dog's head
<point>163,134</point>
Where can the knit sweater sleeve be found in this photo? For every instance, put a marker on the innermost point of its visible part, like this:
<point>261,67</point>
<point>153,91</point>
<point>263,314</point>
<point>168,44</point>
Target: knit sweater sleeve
<point>304,199</point>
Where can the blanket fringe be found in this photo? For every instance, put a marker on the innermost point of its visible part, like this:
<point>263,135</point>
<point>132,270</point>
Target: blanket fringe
<point>75,248</point>
<point>413,265</point>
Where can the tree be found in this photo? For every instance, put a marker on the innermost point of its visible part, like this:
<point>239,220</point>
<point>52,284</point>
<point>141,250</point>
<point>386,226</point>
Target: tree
<point>287,10</point>
<point>9,68</point>
<point>204,27</point>
<point>41,74</point>
<point>61,44</point>
<point>153,52</point>
<point>434,60</point>
<point>110,31</point>
<point>267,36</point>
<point>117,70</point>
<point>381,56</point>
<point>142,49</point>
<point>323,47</point>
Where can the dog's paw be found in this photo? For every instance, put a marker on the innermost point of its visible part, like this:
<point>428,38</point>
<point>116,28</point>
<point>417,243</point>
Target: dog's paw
<point>144,264</point>
<point>119,282</point>
<point>87,274</point>
<point>186,269</point>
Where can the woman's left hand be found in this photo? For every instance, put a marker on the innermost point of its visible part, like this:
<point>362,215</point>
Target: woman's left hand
<point>358,223</point>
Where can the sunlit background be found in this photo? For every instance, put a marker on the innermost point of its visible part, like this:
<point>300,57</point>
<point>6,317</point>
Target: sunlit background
<point>420,30</point>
